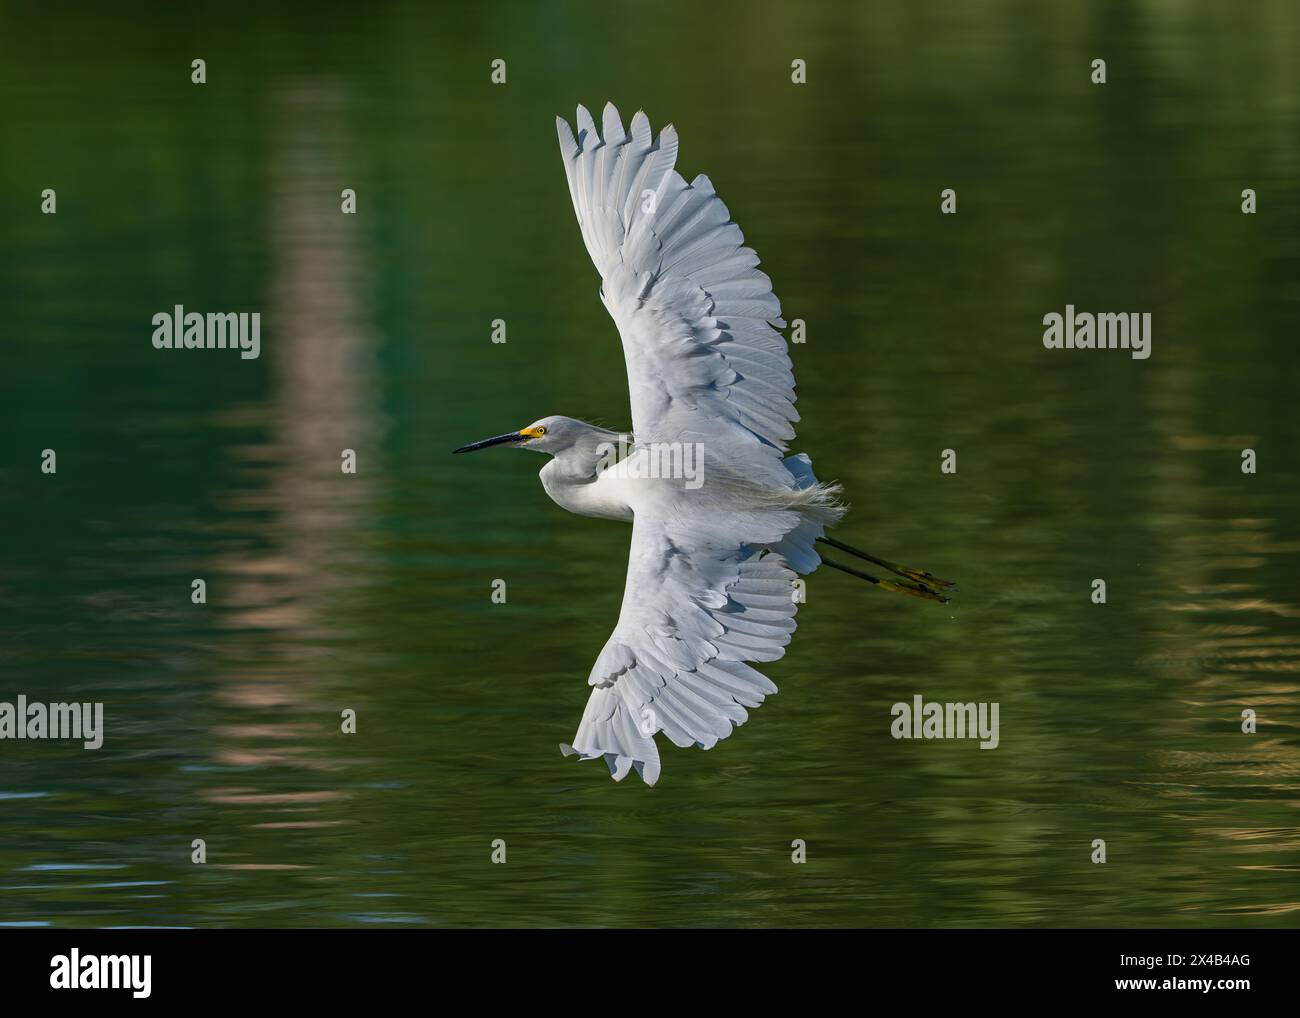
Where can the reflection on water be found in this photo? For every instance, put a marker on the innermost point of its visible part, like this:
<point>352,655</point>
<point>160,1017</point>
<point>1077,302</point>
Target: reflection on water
<point>329,591</point>
<point>322,402</point>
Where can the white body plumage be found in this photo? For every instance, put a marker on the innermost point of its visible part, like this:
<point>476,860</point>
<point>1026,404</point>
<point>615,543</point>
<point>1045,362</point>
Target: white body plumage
<point>713,557</point>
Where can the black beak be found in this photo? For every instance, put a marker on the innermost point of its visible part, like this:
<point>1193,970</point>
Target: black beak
<point>514,436</point>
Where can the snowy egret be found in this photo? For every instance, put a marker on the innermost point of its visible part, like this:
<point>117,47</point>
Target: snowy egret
<point>723,521</point>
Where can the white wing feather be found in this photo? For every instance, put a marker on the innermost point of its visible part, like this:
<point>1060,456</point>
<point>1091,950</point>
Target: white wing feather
<point>696,607</point>
<point>697,317</point>
<point>705,364</point>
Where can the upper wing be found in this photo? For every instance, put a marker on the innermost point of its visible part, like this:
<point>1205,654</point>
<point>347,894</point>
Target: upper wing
<point>698,319</point>
<point>696,607</point>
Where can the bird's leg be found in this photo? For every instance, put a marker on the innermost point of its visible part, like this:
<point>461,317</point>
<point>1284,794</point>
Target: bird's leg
<point>897,586</point>
<point>918,575</point>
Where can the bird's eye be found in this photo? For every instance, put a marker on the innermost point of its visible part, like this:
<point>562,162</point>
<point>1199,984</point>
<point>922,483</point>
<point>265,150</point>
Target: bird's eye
<point>540,432</point>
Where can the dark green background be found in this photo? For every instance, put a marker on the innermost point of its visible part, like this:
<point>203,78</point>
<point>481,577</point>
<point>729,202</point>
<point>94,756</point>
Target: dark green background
<point>327,591</point>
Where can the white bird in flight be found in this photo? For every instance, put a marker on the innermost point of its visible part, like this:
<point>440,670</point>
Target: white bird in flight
<point>723,521</point>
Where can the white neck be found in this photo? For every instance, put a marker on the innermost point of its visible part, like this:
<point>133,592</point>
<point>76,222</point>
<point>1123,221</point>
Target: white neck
<point>572,481</point>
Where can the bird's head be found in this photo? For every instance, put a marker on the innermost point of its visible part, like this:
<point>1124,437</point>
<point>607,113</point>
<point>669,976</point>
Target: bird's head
<point>550,434</point>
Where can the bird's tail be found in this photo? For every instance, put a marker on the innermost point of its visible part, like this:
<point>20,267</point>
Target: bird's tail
<point>819,506</point>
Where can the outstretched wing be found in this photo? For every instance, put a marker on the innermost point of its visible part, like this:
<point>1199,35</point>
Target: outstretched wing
<point>698,319</point>
<point>697,606</point>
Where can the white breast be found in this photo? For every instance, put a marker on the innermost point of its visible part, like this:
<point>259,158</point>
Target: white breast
<point>606,497</point>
